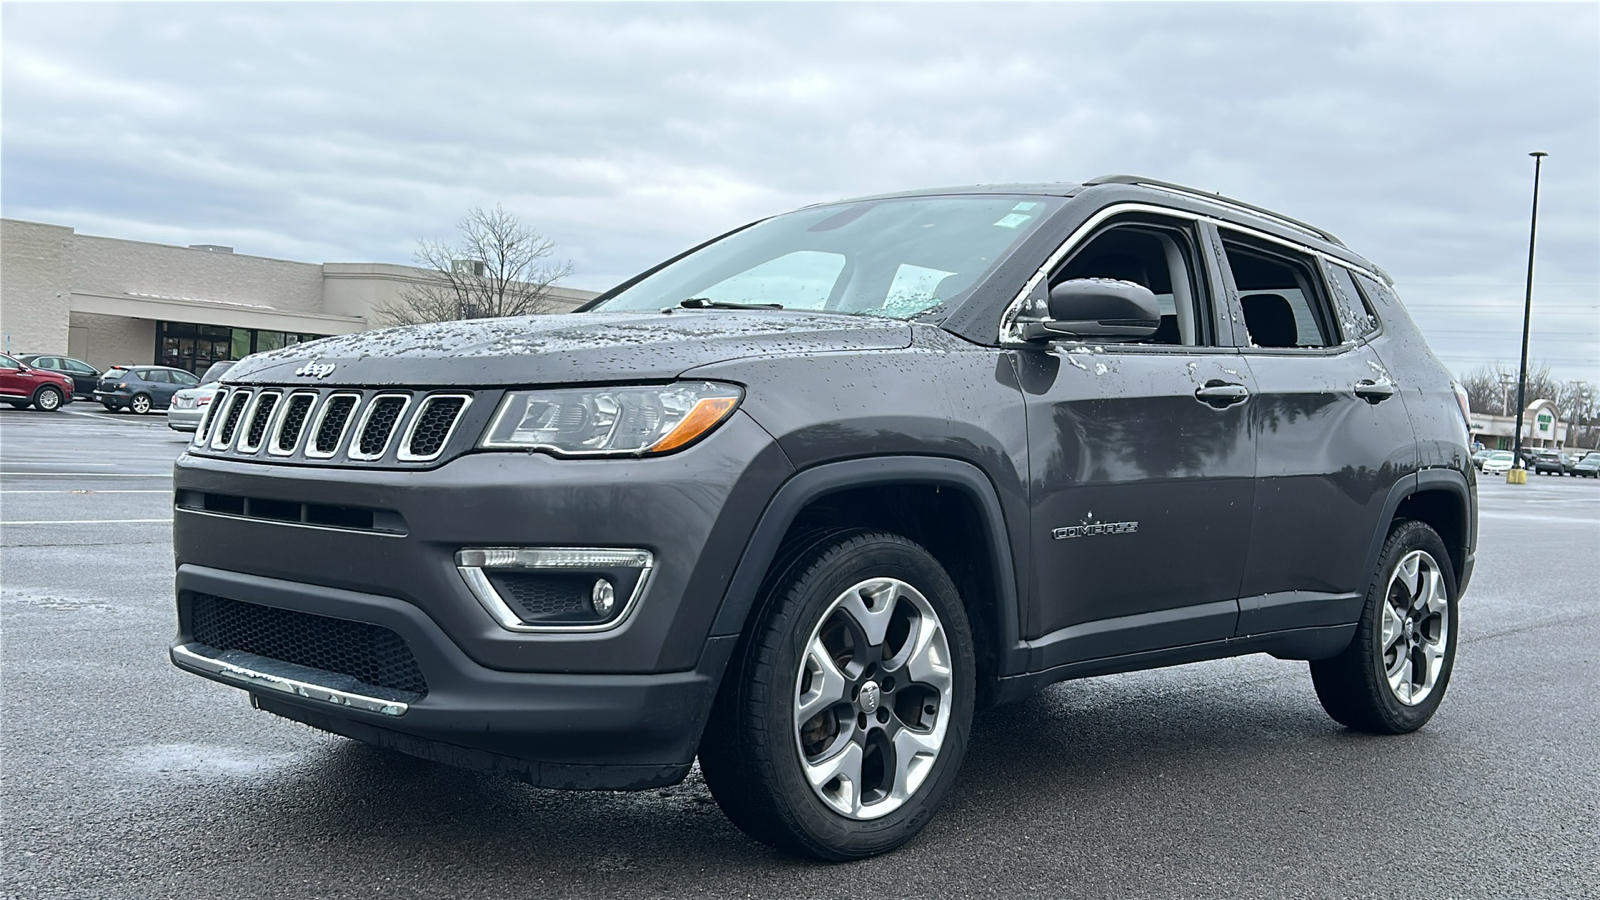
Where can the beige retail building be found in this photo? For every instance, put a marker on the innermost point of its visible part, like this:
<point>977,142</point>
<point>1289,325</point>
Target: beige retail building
<point>109,301</point>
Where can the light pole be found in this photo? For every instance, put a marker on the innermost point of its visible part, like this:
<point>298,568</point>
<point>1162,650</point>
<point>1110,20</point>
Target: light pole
<point>1527,314</point>
<point>1578,396</point>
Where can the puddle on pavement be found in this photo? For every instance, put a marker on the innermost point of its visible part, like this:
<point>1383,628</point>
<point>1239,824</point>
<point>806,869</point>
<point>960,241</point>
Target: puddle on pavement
<point>201,761</point>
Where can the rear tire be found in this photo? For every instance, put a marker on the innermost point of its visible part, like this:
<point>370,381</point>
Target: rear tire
<point>140,404</point>
<point>843,719</point>
<point>1392,677</point>
<point>47,399</point>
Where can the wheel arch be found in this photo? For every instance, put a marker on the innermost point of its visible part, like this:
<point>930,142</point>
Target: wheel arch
<point>1443,500</point>
<point>973,545</point>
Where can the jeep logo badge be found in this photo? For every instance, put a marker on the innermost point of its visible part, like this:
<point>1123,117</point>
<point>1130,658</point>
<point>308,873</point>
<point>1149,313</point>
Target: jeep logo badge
<point>315,369</point>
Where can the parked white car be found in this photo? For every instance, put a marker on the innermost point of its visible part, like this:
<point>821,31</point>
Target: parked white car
<point>189,405</point>
<point>1498,462</point>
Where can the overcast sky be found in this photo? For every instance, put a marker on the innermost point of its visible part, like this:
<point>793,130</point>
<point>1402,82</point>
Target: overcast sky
<point>628,132</point>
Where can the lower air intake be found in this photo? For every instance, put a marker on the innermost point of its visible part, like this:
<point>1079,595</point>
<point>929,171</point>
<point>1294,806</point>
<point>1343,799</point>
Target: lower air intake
<point>368,653</point>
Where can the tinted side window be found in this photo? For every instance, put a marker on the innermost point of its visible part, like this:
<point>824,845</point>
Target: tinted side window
<point>183,378</point>
<point>1280,293</point>
<point>81,368</point>
<point>152,375</point>
<point>1355,315</point>
<point>7,362</point>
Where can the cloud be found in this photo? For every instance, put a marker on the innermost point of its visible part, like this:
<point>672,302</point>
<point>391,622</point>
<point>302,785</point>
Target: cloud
<point>629,132</point>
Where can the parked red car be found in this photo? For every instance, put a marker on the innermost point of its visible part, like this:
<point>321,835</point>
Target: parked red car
<point>21,385</point>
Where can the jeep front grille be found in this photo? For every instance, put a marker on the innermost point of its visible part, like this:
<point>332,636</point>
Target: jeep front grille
<point>334,426</point>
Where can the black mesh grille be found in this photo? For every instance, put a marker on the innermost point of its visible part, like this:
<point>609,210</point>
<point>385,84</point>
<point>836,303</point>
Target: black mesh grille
<point>294,419</point>
<point>334,417</point>
<point>546,596</point>
<point>230,422</point>
<point>259,420</point>
<point>433,425</point>
<point>381,419</point>
<point>368,653</point>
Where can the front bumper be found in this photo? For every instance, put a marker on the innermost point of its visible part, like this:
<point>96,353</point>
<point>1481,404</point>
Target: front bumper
<point>581,731</point>
<point>617,708</point>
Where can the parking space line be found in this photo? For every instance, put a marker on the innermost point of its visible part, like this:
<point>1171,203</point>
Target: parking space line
<point>90,522</point>
<point>87,492</point>
<point>79,475</point>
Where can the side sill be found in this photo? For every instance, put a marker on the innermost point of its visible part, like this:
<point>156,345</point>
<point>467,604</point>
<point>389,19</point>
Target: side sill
<point>1300,643</point>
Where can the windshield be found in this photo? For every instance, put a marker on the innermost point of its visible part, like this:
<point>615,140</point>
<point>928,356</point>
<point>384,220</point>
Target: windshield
<point>897,258</point>
<point>1500,454</point>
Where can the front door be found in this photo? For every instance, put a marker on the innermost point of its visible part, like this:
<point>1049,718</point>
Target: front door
<point>1141,465</point>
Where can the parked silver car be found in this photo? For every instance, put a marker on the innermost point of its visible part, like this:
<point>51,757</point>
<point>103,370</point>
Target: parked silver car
<point>189,404</point>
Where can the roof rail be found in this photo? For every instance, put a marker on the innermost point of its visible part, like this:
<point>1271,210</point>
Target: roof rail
<point>1218,199</point>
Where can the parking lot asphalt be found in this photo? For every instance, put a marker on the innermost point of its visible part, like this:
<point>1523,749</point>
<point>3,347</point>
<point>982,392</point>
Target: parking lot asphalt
<point>125,778</point>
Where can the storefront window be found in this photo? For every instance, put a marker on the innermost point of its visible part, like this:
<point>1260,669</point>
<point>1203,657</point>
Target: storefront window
<point>194,348</point>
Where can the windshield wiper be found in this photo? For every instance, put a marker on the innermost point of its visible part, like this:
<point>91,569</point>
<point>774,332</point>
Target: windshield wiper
<point>708,303</point>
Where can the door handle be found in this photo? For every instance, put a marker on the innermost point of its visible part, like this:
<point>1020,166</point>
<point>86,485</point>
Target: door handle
<point>1374,392</point>
<point>1222,394</point>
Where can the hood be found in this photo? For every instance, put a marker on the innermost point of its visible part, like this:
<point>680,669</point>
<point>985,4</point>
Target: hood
<point>563,349</point>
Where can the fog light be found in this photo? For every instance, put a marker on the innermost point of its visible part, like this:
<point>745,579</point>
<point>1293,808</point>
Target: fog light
<point>604,597</point>
<point>534,589</point>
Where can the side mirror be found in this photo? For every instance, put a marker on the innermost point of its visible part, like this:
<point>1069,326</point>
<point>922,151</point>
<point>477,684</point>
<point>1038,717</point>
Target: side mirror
<point>1097,308</point>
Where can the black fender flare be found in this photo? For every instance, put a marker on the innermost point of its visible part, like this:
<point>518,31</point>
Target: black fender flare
<point>1450,481</point>
<point>810,484</point>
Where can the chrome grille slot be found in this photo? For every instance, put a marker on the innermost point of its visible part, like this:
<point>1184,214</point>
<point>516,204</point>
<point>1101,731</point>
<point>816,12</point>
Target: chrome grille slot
<point>292,424</point>
<point>228,423</point>
<point>432,426</point>
<point>378,425</point>
<point>204,427</point>
<point>259,418</point>
<point>329,428</point>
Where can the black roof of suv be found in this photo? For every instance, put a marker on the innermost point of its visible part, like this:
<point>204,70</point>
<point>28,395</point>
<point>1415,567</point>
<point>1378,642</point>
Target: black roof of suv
<point>798,500</point>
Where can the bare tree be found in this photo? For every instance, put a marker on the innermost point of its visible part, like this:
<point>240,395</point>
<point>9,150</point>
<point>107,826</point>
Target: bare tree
<point>500,267</point>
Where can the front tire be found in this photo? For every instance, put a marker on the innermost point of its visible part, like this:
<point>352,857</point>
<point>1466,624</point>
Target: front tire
<point>47,399</point>
<point>843,719</point>
<point>1392,677</point>
<point>140,404</point>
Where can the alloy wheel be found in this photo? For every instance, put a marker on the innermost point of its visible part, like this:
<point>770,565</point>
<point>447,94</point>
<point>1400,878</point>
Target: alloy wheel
<point>873,698</point>
<point>1416,627</point>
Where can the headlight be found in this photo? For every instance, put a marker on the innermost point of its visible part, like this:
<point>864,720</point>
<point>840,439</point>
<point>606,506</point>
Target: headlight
<point>631,421</point>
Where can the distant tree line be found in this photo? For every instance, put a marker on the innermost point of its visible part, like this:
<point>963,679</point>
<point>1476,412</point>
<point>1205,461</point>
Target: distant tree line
<point>1492,390</point>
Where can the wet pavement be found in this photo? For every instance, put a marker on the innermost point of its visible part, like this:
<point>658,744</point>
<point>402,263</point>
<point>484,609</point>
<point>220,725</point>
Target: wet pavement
<point>125,778</point>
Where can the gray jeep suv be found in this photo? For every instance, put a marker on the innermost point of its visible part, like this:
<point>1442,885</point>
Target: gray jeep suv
<point>798,500</point>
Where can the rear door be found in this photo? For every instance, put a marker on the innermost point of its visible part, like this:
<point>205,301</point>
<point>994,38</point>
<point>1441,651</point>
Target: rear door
<point>1331,431</point>
<point>160,387</point>
<point>1141,463</point>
